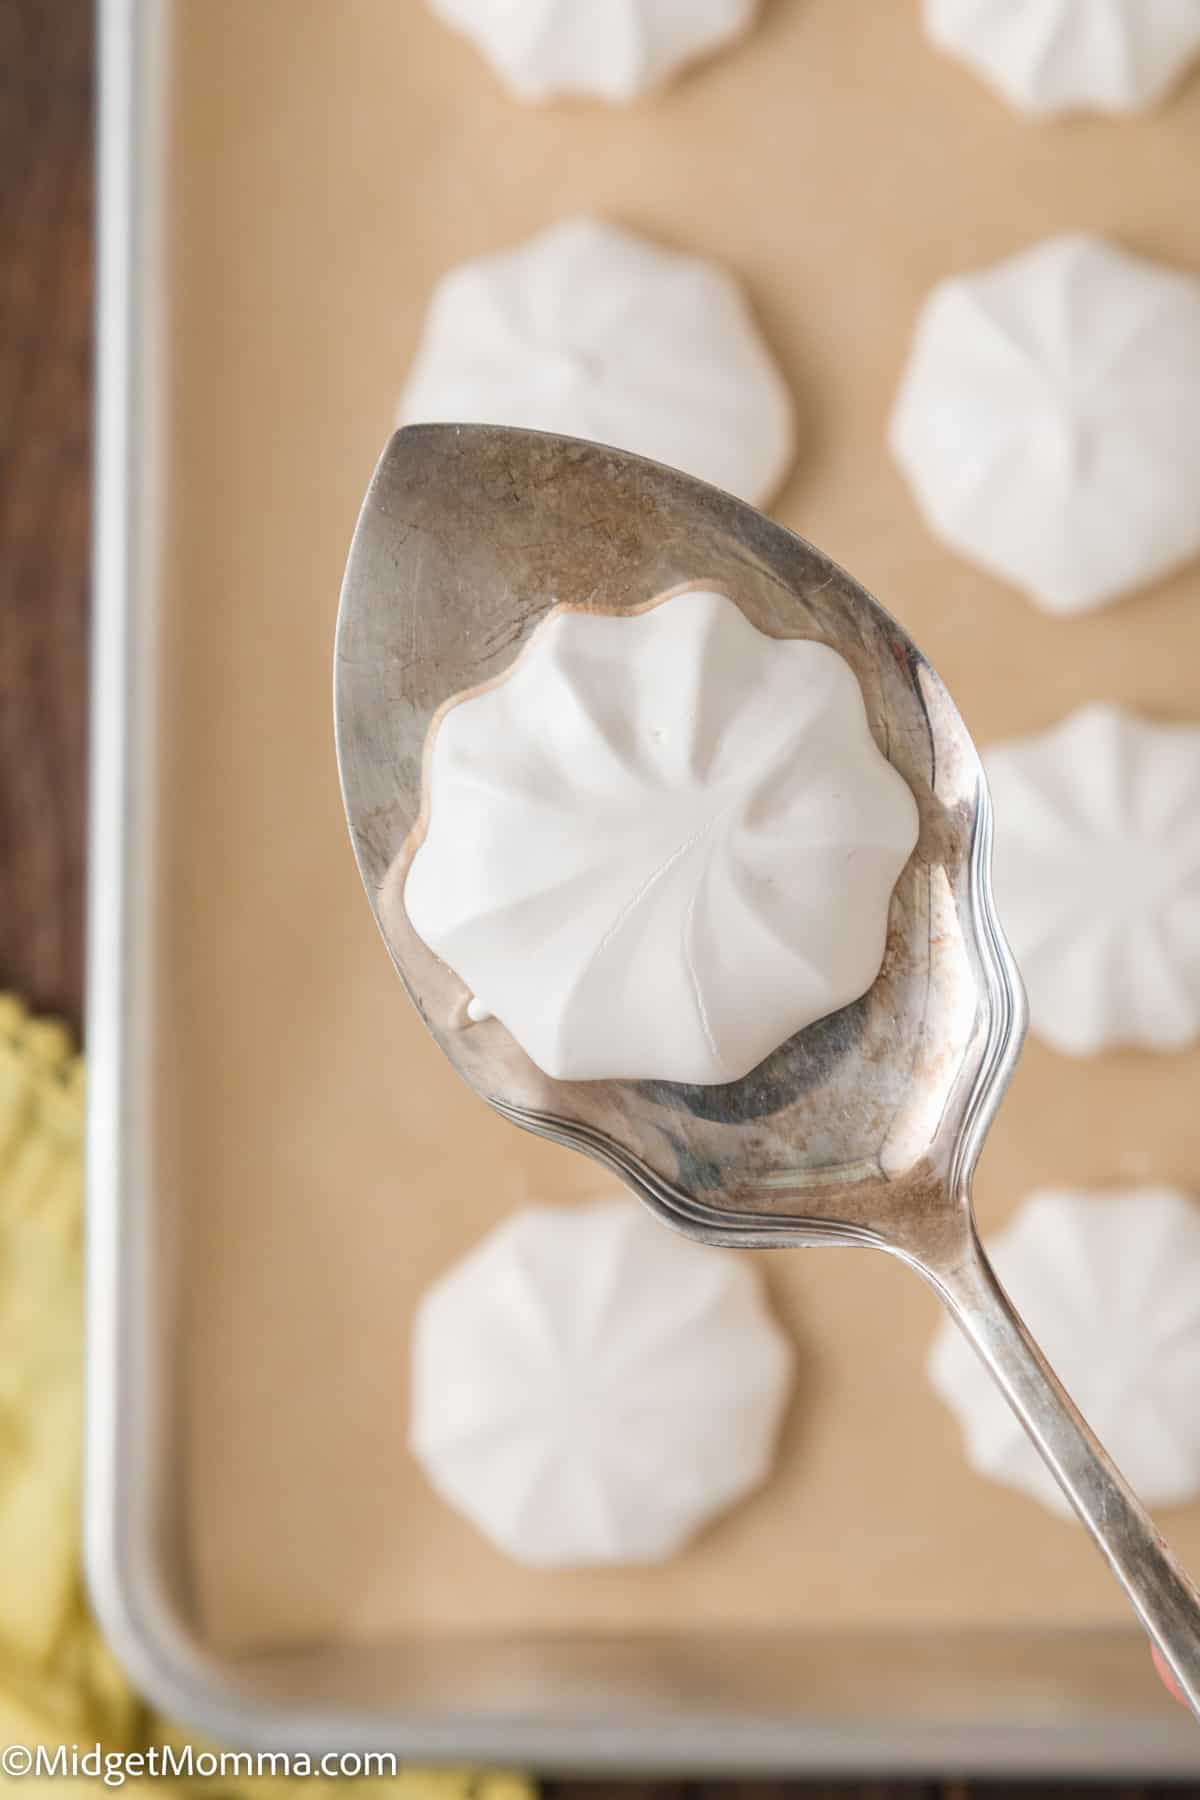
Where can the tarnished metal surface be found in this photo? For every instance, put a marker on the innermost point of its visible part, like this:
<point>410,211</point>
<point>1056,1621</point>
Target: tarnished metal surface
<point>467,540</point>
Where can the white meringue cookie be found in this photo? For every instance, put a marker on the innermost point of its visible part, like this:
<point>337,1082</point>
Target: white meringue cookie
<point>1097,878</point>
<point>662,844</point>
<point>588,1387</point>
<point>1048,424</point>
<point>1054,56</point>
<point>1107,1283</point>
<point>609,49</point>
<point>596,333</point>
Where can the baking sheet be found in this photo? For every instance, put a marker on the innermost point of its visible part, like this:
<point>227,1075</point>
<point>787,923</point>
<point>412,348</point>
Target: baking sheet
<point>326,164</point>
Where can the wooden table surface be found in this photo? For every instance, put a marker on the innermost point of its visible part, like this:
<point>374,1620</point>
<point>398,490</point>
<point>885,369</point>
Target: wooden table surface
<point>46,52</point>
<point>45,369</point>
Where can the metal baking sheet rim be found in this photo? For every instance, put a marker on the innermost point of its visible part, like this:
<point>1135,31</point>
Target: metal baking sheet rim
<point>1012,1703</point>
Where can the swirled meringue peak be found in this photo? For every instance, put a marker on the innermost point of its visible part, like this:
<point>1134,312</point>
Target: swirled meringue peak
<point>614,50</point>
<point>1048,57</point>
<point>1046,421</point>
<point>1097,873</point>
<point>590,1389</point>
<point>661,844</point>
<point>599,333</point>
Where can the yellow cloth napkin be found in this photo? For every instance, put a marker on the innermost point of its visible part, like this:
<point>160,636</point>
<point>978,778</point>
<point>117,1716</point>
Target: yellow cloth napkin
<point>58,1683</point>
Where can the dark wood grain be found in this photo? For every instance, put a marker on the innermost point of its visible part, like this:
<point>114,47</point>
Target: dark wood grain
<point>45,335</point>
<point>46,51</point>
<point>775,1789</point>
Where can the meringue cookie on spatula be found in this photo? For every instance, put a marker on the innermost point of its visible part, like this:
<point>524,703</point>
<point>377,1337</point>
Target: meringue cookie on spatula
<point>610,50</point>
<point>594,332</point>
<point>661,845</point>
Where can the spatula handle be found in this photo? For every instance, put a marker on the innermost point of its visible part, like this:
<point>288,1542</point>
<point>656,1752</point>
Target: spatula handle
<point>1162,1593</point>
